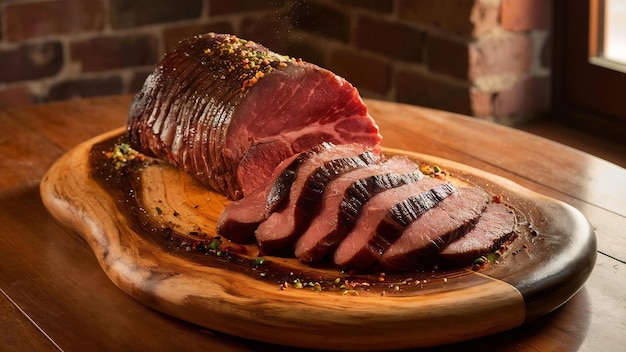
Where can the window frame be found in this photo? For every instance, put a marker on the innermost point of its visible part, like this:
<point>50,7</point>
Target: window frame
<point>589,93</point>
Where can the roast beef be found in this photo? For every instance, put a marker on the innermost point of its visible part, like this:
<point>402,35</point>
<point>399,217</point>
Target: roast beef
<point>240,218</point>
<point>280,230</point>
<point>422,240</point>
<point>494,228</point>
<point>286,140</point>
<point>228,111</point>
<point>360,248</point>
<point>331,224</point>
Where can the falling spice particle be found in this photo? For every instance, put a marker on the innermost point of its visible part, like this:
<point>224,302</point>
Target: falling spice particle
<point>247,57</point>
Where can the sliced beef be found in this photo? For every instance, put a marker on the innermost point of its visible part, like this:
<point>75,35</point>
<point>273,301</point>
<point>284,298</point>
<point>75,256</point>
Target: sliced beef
<point>240,218</point>
<point>494,228</point>
<point>360,248</point>
<point>280,230</point>
<point>422,240</point>
<point>331,225</point>
<point>228,111</point>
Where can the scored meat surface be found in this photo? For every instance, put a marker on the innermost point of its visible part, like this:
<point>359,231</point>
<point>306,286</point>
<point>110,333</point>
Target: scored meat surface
<point>295,149</point>
<point>494,228</point>
<point>228,111</point>
<point>422,240</point>
<point>240,218</point>
<point>280,230</point>
<point>361,248</point>
<point>332,224</point>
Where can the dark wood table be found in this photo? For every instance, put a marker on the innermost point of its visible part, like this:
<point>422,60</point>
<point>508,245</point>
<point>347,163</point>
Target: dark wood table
<point>54,296</point>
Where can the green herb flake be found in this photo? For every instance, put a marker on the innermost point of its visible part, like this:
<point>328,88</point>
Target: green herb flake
<point>122,153</point>
<point>215,243</point>
<point>257,261</point>
<point>493,257</point>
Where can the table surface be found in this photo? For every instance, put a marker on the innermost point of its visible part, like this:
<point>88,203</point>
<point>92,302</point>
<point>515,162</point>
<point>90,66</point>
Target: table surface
<point>54,296</point>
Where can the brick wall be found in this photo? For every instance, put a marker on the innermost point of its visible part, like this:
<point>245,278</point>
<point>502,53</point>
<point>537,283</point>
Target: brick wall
<point>486,58</point>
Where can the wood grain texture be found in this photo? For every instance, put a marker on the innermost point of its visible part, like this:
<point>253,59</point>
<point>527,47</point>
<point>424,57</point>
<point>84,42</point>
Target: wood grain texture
<point>30,338</point>
<point>30,156</point>
<point>245,306</point>
<point>52,275</point>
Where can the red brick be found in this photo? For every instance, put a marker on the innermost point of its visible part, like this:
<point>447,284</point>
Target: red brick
<point>24,20</point>
<point>382,6</point>
<point>525,15</point>
<point>84,88</point>
<point>136,13</point>
<point>363,71</point>
<point>226,7</point>
<point>31,61</point>
<point>419,89</point>
<point>466,17</point>
<point>321,20</point>
<point>482,103</point>
<point>453,15</point>
<point>172,35</point>
<point>528,96</point>
<point>500,55</point>
<point>447,56</point>
<point>270,31</point>
<point>393,40</point>
<point>484,17</point>
<point>105,53</point>
<point>16,97</point>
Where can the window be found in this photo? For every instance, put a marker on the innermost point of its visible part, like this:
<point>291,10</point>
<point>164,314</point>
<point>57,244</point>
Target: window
<point>613,25</point>
<point>590,65</point>
<point>607,34</point>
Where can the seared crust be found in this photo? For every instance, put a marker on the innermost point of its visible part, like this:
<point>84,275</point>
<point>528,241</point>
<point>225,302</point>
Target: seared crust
<point>228,111</point>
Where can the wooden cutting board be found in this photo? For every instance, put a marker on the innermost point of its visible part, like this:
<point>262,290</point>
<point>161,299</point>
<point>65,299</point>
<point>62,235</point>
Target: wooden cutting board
<point>152,234</point>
